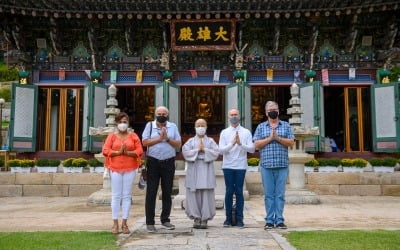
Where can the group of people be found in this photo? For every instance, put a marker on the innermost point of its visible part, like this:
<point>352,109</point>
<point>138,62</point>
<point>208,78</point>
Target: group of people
<point>123,151</point>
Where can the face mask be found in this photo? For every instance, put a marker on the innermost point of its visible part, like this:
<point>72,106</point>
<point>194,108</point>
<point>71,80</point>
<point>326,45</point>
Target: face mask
<point>122,126</point>
<point>234,120</point>
<point>273,114</point>
<point>201,130</point>
<point>161,119</point>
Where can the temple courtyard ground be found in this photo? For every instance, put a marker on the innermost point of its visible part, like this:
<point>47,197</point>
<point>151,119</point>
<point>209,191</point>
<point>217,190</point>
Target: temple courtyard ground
<point>72,213</point>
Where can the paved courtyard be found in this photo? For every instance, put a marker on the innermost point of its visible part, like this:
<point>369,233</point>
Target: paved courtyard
<point>334,212</point>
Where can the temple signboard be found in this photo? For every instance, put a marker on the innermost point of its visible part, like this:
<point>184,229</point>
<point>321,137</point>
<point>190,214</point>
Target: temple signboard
<point>207,34</point>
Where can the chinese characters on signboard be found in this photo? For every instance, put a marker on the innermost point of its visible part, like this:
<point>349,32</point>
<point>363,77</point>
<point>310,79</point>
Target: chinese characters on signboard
<point>203,34</point>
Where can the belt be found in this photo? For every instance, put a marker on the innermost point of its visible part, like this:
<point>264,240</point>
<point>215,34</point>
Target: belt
<point>161,161</point>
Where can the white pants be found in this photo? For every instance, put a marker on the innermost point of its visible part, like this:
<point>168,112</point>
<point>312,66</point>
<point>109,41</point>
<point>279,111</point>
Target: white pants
<point>121,189</point>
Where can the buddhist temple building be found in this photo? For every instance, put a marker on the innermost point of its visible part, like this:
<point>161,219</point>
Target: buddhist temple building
<point>200,59</point>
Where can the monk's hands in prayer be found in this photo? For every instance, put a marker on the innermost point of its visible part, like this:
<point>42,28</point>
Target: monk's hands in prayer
<point>201,146</point>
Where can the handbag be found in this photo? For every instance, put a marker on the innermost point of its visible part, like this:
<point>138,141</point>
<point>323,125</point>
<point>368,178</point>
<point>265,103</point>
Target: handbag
<point>143,171</point>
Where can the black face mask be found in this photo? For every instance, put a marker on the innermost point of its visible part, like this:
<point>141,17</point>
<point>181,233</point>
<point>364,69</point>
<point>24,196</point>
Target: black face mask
<point>161,119</point>
<point>273,114</point>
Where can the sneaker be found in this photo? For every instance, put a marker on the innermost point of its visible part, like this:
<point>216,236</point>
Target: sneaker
<point>240,224</point>
<point>268,226</point>
<point>227,223</point>
<point>151,229</point>
<point>167,225</point>
<point>281,226</point>
<point>197,223</point>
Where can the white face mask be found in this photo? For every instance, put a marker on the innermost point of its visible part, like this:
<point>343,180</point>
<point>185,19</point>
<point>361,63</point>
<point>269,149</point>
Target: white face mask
<point>122,126</point>
<point>201,130</point>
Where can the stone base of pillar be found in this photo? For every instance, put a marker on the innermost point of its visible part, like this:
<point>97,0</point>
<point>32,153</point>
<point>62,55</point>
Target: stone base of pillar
<point>301,197</point>
<point>100,198</point>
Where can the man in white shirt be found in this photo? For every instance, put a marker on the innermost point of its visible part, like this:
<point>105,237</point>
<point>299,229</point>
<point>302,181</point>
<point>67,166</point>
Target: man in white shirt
<point>234,144</point>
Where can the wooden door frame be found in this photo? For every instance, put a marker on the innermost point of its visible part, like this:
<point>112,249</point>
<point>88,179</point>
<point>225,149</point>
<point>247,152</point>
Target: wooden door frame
<point>360,119</point>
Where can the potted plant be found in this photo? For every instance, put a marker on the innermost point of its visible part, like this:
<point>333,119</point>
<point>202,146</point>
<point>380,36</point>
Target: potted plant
<point>20,165</point>
<point>310,165</point>
<point>253,164</point>
<point>383,165</point>
<point>328,165</point>
<point>47,165</point>
<point>355,165</point>
<point>95,166</point>
<point>74,165</point>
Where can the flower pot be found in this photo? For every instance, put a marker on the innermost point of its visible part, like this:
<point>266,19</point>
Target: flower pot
<point>308,169</point>
<point>46,169</point>
<point>99,169</point>
<point>73,169</point>
<point>383,169</point>
<point>353,170</point>
<point>253,169</point>
<point>20,170</point>
<point>328,169</point>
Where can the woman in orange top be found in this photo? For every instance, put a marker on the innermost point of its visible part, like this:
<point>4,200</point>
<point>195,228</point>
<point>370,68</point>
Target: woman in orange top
<point>123,151</point>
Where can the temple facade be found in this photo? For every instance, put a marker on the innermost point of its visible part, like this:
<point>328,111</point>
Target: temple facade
<point>200,59</point>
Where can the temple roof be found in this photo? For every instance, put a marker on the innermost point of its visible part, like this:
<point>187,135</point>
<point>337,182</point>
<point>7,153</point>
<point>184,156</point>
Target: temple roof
<point>77,8</point>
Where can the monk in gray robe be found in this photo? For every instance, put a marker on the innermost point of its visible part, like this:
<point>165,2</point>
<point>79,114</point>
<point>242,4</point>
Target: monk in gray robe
<point>200,152</point>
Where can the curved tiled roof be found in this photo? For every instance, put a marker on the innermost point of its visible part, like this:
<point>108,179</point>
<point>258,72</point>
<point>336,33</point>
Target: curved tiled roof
<point>38,7</point>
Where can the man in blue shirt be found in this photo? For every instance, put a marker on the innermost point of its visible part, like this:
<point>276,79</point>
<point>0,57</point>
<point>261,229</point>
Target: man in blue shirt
<point>161,138</point>
<point>273,138</point>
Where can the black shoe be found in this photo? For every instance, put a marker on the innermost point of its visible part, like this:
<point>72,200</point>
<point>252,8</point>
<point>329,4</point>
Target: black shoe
<point>227,223</point>
<point>268,226</point>
<point>281,226</point>
<point>197,223</point>
<point>203,224</point>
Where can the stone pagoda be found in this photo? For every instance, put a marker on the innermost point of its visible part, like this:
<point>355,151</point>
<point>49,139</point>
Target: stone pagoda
<point>297,194</point>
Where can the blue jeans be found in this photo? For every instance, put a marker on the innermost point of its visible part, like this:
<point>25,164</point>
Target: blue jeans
<point>274,182</point>
<point>234,180</point>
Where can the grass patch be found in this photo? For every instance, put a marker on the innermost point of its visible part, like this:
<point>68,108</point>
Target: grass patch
<point>345,240</point>
<point>58,240</point>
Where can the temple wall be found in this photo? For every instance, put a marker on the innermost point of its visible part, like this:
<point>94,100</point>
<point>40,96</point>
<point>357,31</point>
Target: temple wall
<point>65,185</point>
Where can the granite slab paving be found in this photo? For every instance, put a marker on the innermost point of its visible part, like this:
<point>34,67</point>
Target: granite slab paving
<point>215,237</point>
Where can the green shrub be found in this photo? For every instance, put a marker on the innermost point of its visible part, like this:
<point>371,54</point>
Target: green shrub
<point>26,163</point>
<point>7,75</point>
<point>253,161</point>
<point>5,93</point>
<point>346,162</point>
<point>79,163</point>
<point>94,163</point>
<point>359,163</point>
<point>389,162</point>
<point>68,162</point>
<point>311,163</point>
<point>1,163</point>
<point>334,162</point>
<point>42,162</point>
<point>13,163</point>
<point>376,162</point>
<point>54,162</point>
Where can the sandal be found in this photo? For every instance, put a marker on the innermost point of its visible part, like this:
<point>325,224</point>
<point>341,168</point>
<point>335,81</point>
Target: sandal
<point>125,229</point>
<point>114,229</point>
